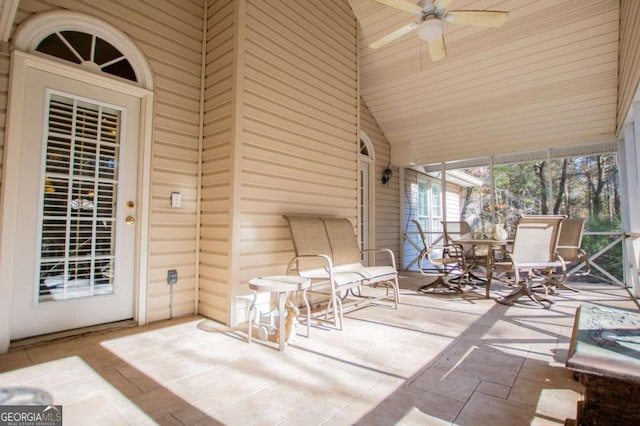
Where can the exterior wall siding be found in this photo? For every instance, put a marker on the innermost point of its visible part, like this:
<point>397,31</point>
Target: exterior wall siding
<point>410,203</point>
<point>387,197</point>
<point>453,202</point>
<point>279,137</point>
<point>216,214</point>
<point>629,59</point>
<point>299,145</point>
<point>170,36</point>
<point>409,231</point>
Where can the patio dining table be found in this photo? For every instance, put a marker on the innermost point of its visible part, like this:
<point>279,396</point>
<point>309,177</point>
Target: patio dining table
<point>492,245</point>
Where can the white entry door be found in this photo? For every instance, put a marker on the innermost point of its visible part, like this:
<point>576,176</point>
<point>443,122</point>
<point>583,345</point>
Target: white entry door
<point>75,252</point>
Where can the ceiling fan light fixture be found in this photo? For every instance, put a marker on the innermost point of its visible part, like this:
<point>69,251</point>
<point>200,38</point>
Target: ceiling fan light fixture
<point>431,29</point>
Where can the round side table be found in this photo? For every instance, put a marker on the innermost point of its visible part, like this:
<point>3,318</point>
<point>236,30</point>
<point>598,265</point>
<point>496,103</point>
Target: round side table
<point>281,286</point>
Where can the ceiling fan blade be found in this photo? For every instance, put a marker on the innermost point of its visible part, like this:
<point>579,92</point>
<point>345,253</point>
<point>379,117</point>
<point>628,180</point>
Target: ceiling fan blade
<point>394,35</point>
<point>437,49</point>
<point>405,5</point>
<point>481,18</point>
<point>441,4</point>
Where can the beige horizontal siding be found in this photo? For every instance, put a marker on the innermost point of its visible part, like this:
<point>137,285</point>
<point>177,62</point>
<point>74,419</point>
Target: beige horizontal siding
<point>286,132</point>
<point>299,152</point>
<point>453,202</point>
<point>170,36</point>
<point>629,75</point>
<point>387,202</point>
<point>216,215</point>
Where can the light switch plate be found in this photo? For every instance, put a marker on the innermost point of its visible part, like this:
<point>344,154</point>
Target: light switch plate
<point>176,200</point>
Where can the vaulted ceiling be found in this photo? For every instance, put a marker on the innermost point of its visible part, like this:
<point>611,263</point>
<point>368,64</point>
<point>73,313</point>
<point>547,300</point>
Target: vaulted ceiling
<point>547,78</point>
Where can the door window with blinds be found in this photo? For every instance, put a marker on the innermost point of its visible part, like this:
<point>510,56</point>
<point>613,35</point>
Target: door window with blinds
<point>79,193</point>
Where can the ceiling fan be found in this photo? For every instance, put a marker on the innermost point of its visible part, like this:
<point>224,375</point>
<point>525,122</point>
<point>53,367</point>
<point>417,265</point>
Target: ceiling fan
<point>432,15</point>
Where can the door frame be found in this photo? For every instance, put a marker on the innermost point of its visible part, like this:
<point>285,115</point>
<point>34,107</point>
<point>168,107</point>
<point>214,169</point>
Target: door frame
<point>9,209</point>
<point>370,220</point>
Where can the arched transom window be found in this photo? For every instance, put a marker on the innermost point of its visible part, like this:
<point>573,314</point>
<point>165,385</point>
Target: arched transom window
<point>85,41</point>
<point>89,51</point>
<point>364,149</point>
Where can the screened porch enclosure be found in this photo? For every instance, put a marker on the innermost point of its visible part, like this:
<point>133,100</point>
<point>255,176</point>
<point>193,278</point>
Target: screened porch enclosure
<point>578,182</point>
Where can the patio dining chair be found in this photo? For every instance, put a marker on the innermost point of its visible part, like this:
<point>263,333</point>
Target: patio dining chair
<point>569,247</point>
<point>472,255</point>
<point>533,259</point>
<point>445,260</point>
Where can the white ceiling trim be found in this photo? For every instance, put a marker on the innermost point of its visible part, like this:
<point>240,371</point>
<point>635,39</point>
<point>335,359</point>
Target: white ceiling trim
<point>527,156</point>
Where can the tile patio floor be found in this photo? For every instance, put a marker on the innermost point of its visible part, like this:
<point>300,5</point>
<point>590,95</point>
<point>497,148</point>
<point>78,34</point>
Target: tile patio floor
<point>438,359</point>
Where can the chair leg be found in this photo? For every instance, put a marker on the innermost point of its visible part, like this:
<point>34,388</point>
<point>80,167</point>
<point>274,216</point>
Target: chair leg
<point>584,257</point>
<point>396,291</point>
<point>565,286</point>
<point>537,298</point>
<point>512,297</point>
<point>334,308</point>
<point>525,290</point>
<point>338,314</point>
<point>561,283</point>
<point>439,282</point>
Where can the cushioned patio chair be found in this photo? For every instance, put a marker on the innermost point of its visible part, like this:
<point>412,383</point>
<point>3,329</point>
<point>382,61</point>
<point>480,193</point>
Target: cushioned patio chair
<point>533,259</point>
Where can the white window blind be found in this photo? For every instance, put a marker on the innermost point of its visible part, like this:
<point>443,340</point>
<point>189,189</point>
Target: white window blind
<point>79,199</point>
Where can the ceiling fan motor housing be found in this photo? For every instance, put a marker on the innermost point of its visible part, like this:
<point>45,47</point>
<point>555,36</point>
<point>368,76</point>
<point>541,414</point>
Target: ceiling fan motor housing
<point>431,28</point>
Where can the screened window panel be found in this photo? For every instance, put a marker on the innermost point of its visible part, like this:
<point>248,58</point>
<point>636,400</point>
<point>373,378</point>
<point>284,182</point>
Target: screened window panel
<point>598,148</point>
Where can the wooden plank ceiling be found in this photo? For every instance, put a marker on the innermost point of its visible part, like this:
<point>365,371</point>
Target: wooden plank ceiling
<point>547,78</point>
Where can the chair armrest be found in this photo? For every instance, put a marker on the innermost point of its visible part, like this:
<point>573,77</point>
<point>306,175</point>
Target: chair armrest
<point>326,258</point>
<point>457,249</point>
<point>505,260</point>
<point>384,250</point>
<point>451,253</point>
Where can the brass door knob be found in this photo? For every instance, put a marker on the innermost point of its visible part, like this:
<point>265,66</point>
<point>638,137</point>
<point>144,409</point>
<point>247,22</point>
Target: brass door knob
<point>130,220</point>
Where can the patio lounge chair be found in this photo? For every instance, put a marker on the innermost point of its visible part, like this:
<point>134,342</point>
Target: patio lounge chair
<point>327,252</point>
<point>444,259</point>
<point>533,259</point>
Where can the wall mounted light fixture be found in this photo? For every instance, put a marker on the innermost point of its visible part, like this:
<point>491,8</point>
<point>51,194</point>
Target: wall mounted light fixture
<point>386,175</point>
